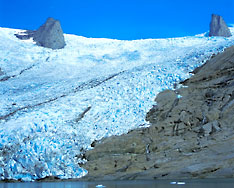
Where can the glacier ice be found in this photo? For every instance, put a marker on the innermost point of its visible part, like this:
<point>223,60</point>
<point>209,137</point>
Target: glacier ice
<point>55,103</point>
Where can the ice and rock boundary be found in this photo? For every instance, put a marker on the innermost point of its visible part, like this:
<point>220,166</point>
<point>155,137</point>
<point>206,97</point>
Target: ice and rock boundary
<point>191,132</point>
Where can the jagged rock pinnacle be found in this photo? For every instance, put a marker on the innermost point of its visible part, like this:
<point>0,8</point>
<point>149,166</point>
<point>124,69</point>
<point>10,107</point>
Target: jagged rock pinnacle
<point>50,35</point>
<point>218,27</point>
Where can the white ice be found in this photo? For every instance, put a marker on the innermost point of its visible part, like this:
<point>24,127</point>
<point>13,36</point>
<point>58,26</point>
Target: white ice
<point>53,103</point>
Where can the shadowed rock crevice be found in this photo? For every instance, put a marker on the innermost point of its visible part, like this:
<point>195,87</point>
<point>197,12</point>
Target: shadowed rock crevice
<point>25,35</point>
<point>190,136</point>
<point>81,116</point>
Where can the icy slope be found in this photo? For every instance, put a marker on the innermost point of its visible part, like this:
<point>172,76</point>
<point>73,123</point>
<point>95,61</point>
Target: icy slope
<point>54,103</point>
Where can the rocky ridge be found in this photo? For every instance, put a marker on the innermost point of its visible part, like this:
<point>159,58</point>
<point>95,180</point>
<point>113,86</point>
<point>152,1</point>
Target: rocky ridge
<point>191,132</point>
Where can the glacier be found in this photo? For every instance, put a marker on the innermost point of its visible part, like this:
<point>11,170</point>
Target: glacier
<point>55,103</point>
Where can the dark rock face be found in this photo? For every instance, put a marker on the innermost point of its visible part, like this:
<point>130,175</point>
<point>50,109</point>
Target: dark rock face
<point>190,136</point>
<point>50,35</point>
<point>25,35</point>
<point>218,27</point>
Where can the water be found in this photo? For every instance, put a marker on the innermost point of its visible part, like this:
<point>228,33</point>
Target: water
<point>210,183</point>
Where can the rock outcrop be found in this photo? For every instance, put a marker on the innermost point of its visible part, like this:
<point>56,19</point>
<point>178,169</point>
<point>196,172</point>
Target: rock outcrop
<point>25,35</point>
<point>191,133</point>
<point>50,35</point>
<point>218,27</point>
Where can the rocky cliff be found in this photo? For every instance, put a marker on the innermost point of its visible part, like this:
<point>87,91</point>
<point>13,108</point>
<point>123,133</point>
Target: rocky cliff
<point>191,133</point>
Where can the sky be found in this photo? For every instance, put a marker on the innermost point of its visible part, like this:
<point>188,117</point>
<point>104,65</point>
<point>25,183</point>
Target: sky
<point>118,19</point>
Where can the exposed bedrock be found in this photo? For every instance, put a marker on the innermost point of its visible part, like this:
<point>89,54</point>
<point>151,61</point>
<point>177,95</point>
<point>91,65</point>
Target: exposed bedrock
<point>191,133</point>
<point>49,35</point>
<point>218,27</point>
<point>25,35</point>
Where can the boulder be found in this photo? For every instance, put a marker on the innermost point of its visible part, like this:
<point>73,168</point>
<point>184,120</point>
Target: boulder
<point>50,35</point>
<point>218,27</point>
<point>210,128</point>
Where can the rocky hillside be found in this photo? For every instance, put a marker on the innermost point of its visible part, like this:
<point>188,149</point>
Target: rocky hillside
<point>191,136</point>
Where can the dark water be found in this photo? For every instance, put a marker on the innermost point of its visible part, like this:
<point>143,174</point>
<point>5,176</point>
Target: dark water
<point>215,183</point>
